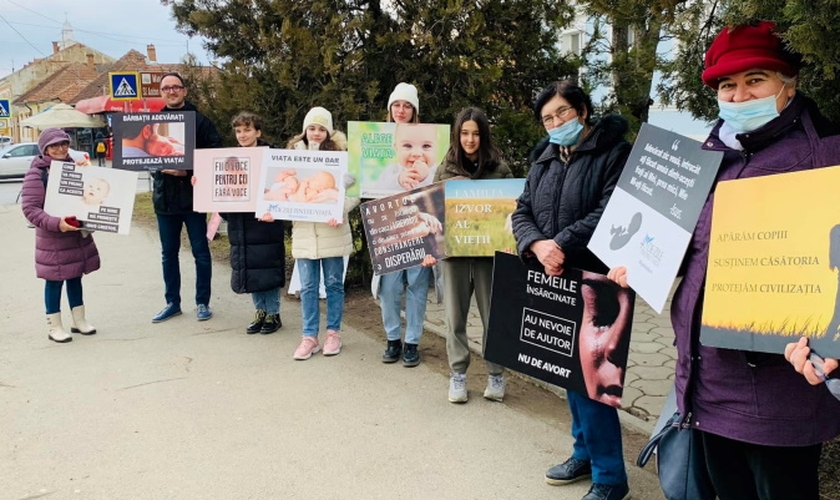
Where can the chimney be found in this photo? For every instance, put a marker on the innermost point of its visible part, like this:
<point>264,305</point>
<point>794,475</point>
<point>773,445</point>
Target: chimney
<point>55,47</point>
<point>151,52</point>
<point>90,62</point>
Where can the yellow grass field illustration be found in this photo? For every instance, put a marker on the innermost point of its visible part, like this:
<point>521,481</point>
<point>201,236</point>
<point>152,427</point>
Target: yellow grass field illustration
<point>774,256</point>
<point>478,226</point>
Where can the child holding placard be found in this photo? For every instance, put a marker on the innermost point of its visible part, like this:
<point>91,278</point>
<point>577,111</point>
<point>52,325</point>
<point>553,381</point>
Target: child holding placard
<point>471,155</point>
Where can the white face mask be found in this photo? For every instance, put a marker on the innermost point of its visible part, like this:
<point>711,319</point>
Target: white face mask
<point>749,115</point>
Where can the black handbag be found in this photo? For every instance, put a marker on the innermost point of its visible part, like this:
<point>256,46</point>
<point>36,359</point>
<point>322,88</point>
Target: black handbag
<point>680,462</point>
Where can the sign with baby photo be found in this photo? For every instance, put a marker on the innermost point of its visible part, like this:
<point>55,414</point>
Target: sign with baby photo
<point>154,141</point>
<point>227,179</point>
<point>302,185</point>
<point>571,330</point>
<point>402,229</point>
<point>391,158</point>
<point>101,199</point>
<point>478,216</point>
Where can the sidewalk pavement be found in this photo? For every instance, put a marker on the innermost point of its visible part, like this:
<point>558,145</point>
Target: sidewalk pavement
<point>650,367</point>
<point>194,410</point>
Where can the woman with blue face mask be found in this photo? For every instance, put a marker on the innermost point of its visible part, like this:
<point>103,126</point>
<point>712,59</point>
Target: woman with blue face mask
<point>573,174</point>
<point>761,424</point>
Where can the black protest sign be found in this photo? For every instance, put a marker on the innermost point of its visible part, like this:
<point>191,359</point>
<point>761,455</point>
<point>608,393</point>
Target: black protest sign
<point>154,141</point>
<point>402,229</point>
<point>571,330</point>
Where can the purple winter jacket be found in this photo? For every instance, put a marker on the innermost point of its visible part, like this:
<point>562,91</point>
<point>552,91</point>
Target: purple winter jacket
<point>749,396</point>
<point>58,256</point>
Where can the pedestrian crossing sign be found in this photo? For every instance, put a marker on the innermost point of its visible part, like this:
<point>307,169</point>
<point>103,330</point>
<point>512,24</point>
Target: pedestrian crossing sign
<point>5,109</point>
<point>125,86</point>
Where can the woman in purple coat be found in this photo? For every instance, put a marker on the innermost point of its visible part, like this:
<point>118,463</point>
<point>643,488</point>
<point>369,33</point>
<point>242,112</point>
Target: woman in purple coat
<point>760,424</point>
<point>62,251</point>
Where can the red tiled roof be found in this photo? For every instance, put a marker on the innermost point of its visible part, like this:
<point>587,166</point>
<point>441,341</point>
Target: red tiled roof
<point>62,85</point>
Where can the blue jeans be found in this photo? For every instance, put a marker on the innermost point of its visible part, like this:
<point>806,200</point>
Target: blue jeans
<point>310,278</point>
<point>52,294</point>
<point>169,227</point>
<point>415,283</point>
<point>597,434</point>
<point>268,301</point>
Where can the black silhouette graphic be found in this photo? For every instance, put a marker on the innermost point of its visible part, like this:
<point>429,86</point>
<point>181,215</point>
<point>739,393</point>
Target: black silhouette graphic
<point>833,264</point>
<point>621,235</point>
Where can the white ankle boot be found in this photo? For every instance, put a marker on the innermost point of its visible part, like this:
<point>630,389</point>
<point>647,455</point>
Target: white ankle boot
<point>57,332</point>
<point>80,324</point>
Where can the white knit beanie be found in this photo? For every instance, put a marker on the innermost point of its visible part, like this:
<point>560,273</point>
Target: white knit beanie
<point>405,92</point>
<point>318,116</point>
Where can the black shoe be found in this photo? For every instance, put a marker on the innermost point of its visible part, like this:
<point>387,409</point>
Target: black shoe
<point>410,355</point>
<point>608,492</point>
<point>568,472</point>
<point>272,323</point>
<point>392,352</point>
<point>256,325</point>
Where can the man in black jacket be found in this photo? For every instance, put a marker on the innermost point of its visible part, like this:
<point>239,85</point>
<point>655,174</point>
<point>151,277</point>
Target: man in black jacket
<point>173,201</point>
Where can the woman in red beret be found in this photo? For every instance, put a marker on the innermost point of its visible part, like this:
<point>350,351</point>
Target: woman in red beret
<point>761,424</point>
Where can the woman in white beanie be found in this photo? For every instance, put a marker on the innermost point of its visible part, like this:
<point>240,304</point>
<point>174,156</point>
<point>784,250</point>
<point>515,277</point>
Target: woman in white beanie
<point>403,107</point>
<point>318,245</point>
<point>318,133</point>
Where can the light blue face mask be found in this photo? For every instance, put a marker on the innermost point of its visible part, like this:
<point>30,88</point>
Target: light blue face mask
<point>566,134</point>
<point>749,115</point>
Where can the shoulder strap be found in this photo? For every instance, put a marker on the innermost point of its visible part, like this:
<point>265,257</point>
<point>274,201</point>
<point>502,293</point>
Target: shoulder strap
<point>648,449</point>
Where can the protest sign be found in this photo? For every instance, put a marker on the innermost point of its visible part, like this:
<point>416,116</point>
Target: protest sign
<point>102,199</point>
<point>390,158</point>
<point>154,141</point>
<point>774,259</point>
<point>227,179</point>
<point>478,216</point>
<point>571,330</point>
<point>651,215</point>
<point>402,229</point>
<point>302,185</point>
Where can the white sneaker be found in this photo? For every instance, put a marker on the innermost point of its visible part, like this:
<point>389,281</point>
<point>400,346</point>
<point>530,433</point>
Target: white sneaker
<point>458,388</point>
<point>495,390</point>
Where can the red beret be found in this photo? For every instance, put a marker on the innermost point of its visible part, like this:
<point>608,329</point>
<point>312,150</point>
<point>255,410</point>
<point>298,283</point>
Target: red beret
<point>747,47</point>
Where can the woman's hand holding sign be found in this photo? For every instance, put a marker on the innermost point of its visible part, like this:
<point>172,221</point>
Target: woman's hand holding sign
<point>550,255</point>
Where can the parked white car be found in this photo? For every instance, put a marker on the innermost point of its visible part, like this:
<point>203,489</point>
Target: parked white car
<point>16,159</point>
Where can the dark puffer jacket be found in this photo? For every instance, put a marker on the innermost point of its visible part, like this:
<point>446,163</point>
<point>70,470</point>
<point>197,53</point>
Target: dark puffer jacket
<point>173,194</point>
<point>257,253</point>
<point>58,256</point>
<point>564,201</point>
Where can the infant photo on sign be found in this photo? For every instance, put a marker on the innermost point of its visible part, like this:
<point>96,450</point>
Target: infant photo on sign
<point>102,199</point>
<point>306,187</point>
<point>302,185</point>
<point>393,158</point>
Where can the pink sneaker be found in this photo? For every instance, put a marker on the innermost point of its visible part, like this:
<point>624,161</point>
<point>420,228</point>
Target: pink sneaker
<point>308,346</point>
<point>332,344</point>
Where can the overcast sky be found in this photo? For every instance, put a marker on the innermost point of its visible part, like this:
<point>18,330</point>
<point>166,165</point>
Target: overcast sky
<point>28,28</point>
